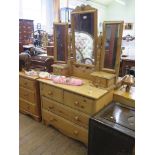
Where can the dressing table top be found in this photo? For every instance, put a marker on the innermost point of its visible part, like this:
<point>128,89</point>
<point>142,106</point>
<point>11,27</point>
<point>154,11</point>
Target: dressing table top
<point>86,89</point>
<point>29,77</point>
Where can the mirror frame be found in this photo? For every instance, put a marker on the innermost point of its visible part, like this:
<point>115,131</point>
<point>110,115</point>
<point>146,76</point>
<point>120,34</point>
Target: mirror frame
<point>118,51</point>
<point>65,38</point>
<point>82,10</point>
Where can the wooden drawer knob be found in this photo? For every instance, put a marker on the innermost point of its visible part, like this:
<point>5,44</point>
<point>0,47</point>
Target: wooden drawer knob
<point>26,95</point>
<point>50,93</point>
<point>60,111</point>
<point>84,100</point>
<point>76,118</point>
<point>25,83</point>
<point>82,106</point>
<point>51,107</point>
<point>76,103</point>
<point>76,132</point>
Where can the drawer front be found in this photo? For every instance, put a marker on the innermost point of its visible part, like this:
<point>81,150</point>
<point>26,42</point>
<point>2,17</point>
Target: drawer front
<point>26,83</point>
<point>66,127</point>
<point>26,106</point>
<point>78,102</point>
<point>27,95</point>
<point>51,92</point>
<point>99,82</point>
<point>65,112</point>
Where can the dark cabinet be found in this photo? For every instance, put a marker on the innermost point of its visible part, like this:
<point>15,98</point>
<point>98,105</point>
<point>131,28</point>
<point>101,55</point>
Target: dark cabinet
<point>112,131</point>
<point>26,29</point>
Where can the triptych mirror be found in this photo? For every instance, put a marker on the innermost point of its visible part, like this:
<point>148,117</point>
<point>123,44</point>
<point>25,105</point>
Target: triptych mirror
<point>84,40</point>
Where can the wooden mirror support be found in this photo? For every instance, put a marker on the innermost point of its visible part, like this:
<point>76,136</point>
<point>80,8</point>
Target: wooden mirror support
<point>111,46</point>
<point>60,42</point>
<point>61,49</point>
<point>84,34</point>
<point>110,50</point>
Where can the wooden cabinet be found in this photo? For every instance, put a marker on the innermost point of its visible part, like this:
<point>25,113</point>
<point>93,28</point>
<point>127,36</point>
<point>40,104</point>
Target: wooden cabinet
<point>29,96</point>
<point>26,28</point>
<point>126,63</point>
<point>68,108</point>
<point>50,50</point>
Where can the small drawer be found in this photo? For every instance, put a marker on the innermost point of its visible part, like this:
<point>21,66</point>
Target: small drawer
<point>79,102</point>
<point>66,112</point>
<point>66,127</point>
<point>99,82</point>
<point>26,106</point>
<point>26,83</point>
<point>51,92</point>
<point>27,95</point>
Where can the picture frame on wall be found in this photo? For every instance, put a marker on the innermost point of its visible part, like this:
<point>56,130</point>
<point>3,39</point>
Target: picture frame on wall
<point>128,26</point>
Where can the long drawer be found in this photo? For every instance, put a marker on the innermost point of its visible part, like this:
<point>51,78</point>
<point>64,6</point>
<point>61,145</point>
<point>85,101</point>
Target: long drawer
<point>66,112</point>
<point>51,92</point>
<point>79,102</point>
<point>26,106</point>
<point>27,95</point>
<point>65,126</point>
<point>26,83</point>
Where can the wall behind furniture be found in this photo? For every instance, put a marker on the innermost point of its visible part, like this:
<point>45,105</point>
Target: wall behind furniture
<point>41,11</point>
<point>112,11</point>
<point>116,11</point>
<point>101,8</point>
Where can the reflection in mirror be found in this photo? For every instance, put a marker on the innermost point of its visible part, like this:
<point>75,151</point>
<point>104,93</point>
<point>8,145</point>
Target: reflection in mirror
<point>112,35</point>
<point>60,41</point>
<point>84,29</point>
<point>84,48</point>
<point>84,32</point>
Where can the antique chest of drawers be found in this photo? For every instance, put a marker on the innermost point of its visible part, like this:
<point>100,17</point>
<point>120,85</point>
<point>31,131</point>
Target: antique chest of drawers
<point>29,96</point>
<point>26,29</point>
<point>68,108</point>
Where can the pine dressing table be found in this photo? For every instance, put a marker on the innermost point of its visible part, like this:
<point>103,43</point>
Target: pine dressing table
<point>68,108</point>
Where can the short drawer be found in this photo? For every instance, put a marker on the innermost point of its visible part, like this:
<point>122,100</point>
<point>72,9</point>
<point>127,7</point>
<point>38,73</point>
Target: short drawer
<point>79,102</point>
<point>51,92</point>
<point>27,94</point>
<point>26,106</point>
<point>66,127</point>
<point>65,112</point>
<point>26,83</point>
<point>99,81</point>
